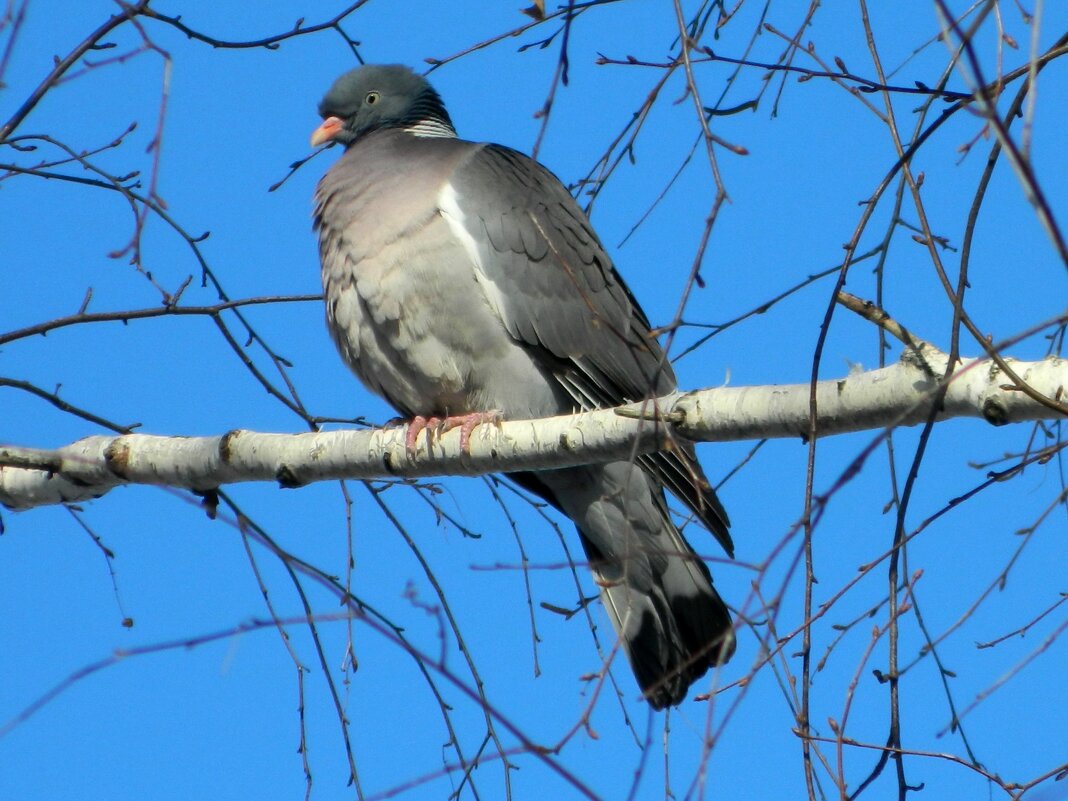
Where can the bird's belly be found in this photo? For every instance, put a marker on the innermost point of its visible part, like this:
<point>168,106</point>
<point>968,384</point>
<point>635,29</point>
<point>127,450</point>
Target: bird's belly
<point>416,328</point>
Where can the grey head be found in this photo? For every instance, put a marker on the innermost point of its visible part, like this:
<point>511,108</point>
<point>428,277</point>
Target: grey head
<point>378,96</point>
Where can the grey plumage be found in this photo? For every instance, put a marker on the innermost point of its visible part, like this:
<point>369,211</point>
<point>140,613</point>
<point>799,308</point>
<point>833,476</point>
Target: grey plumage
<point>463,278</point>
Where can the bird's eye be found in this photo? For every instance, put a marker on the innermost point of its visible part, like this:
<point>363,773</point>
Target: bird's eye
<point>371,99</point>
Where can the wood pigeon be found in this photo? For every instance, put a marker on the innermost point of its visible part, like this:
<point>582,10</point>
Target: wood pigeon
<point>464,283</point>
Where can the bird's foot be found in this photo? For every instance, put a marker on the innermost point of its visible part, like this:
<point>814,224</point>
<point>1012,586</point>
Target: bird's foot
<point>467,423</point>
<point>416,427</point>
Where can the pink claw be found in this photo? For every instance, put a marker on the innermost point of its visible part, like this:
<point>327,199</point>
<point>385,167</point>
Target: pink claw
<point>415,428</point>
<point>467,423</point>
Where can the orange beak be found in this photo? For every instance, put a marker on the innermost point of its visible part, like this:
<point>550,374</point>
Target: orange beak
<point>326,132</point>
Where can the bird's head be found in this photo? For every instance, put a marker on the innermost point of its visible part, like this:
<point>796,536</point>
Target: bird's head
<point>380,96</point>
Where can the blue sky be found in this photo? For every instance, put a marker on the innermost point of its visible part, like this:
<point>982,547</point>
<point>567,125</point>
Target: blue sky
<point>221,720</point>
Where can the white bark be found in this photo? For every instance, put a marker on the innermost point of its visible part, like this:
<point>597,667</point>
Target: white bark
<point>897,395</point>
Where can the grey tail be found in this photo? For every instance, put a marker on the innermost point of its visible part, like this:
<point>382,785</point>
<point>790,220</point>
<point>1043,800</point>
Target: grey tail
<point>672,631</point>
<point>658,593</point>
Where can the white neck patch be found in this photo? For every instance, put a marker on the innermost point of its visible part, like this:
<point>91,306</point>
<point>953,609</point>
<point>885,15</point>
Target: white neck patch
<point>432,129</point>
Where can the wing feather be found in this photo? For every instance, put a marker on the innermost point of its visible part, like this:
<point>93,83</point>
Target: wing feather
<point>554,287</point>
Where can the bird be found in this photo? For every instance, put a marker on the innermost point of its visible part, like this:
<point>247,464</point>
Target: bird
<point>463,283</point>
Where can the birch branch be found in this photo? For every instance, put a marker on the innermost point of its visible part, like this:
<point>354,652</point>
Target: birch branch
<point>899,395</point>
